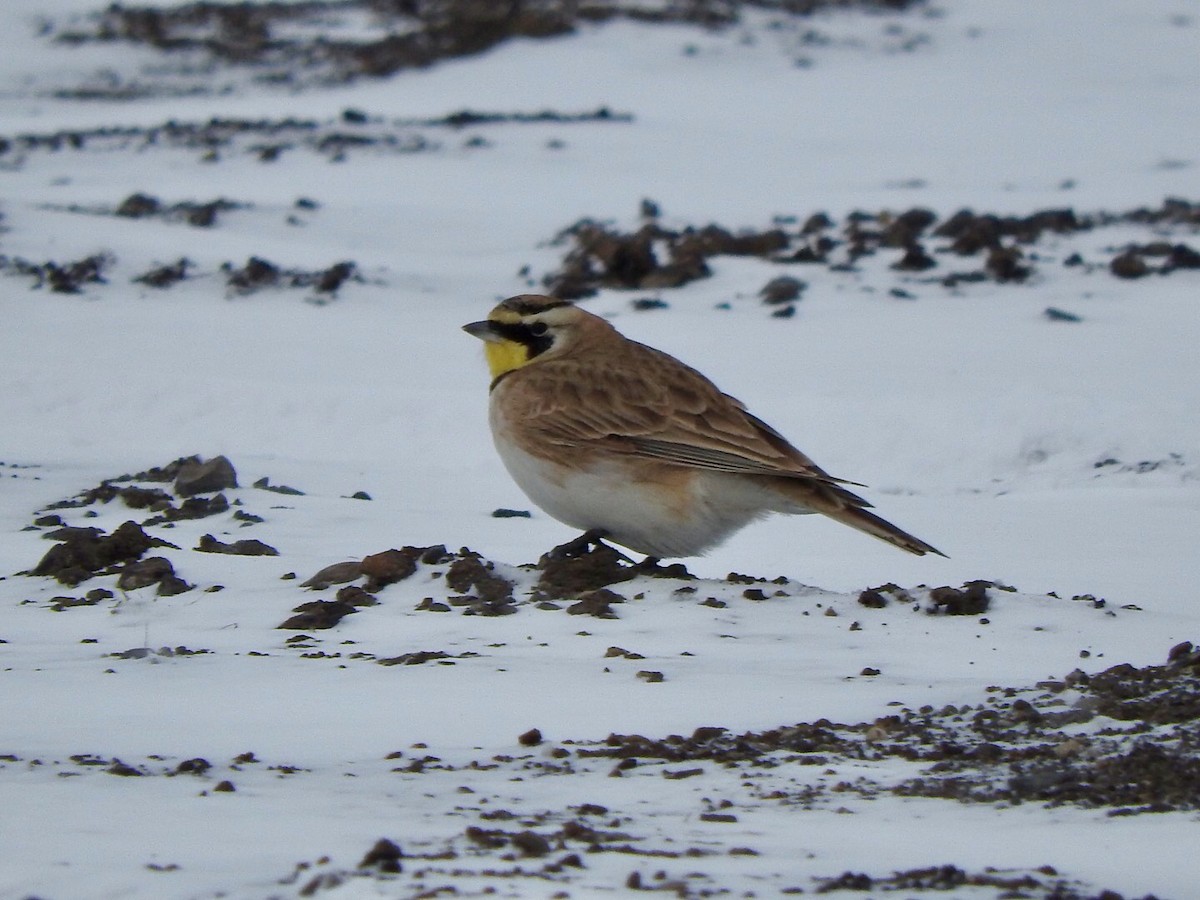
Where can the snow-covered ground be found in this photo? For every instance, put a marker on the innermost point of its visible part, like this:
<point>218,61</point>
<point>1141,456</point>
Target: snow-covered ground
<point>1056,457</point>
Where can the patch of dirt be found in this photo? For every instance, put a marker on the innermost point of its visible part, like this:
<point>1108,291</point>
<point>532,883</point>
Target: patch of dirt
<point>146,206</point>
<point>1043,883</point>
<point>258,274</point>
<point>247,547</point>
<point>81,553</point>
<point>268,140</point>
<point>482,592</point>
<point>321,42</point>
<point>165,276</point>
<point>60,278</point>
<point>567,576</point>
<point>655,257</point>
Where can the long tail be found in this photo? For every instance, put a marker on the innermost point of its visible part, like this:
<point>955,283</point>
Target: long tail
<point>850,509</point>
<point>859,518</point>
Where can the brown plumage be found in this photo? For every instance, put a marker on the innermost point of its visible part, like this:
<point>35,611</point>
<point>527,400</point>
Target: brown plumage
<point>611,435</point>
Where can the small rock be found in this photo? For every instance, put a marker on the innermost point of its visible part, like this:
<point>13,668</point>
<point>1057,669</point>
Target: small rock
<point>530,738</point>
<point>1054,314</point>
<point>337,573</point>
<point>249,547</point>
<point>197,477</point>
<point>531,844</point>
<point>384,856</point>
<point>1129,265</point>
<point>596,603</point>
<point>318,615</point>
<point>784,289</point>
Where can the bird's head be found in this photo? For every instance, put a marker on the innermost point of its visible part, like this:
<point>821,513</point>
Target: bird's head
<point>526,328</point>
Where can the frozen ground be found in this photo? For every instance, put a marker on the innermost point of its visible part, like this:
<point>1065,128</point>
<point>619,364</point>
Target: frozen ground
<point>1053,456</point>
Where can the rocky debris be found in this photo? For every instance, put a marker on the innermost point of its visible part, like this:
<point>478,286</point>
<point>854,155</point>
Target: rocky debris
<point>318,615</point>
<point>266,140</point>
<point>1054,314</point>
<point>654,257</point>
<point>530,738</point>
<point>165,276</point>
<point>384,857</point>
<point>154,570</point>
<point>1157,258</point>
<point>879,597</point>
<point>417,658</point>
<point>258,274</point>
<point>1020,745</point>
<point>1044,883</point>
<point>568,576</point>
<point>191,508</point>
<point>146,206</point>
<point>197,476</point>
<point>264,484</point>
<point>719,745</point>
<point>482,591</point>
<point>972,600</point>
<point>651,258</point>
<point>245,547</point>
<point>160,653</point>
<point>323,42</point>
<point>61,278</point>
<point>782,289</point>
<point>337,573</point>
<point>81,553</point>
<point>596,603</point>
<point>91,598</point>
<point>204,477</point>
<point>198,215</point>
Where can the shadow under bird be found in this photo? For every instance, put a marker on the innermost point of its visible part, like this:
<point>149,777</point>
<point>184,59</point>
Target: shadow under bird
<point>631,445</point>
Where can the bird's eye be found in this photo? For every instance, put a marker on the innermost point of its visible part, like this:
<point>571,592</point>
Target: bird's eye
<point>537,329</point>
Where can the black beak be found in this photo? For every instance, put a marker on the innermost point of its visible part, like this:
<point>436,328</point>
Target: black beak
<point>485,330</point>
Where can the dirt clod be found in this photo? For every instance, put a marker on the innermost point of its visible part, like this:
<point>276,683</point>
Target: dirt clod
<point>337,573</point>
<point>246,547</point>
<point>384,856</point>
<point>568,577</point>
<point>489,594</point>
<point>84,552</point>
<point>596,603</point>
<point>318,615</point>
<point>972,600</point>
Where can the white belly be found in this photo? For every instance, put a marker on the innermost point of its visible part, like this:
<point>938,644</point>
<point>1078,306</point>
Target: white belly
<point>684,519</point>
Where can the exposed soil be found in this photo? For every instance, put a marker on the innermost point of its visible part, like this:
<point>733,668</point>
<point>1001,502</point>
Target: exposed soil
<point>1022,745</point>
<point>337,41</point>
<point>267,140</point>
<point>1003,249</point>
<point>83,552</point>
<point>1122,740</point>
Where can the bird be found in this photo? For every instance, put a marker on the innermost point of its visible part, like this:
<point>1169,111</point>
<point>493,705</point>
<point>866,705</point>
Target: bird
<point>634,447</point>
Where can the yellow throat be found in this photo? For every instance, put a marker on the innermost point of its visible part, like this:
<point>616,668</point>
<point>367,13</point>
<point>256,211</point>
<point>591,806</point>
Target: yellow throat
<point>504,356</point>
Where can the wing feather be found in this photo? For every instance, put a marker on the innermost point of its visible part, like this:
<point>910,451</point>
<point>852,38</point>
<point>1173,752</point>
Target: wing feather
<point>644,403</point>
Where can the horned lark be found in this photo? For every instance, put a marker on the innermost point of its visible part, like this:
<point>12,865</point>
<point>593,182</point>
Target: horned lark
<point>629,444</point>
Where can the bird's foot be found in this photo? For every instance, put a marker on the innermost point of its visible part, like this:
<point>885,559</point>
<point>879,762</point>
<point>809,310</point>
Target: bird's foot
<point>652,566</point>
<point>590,540</point>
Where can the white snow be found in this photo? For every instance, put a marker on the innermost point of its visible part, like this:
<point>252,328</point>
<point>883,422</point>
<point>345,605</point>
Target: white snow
<point>977,422</point>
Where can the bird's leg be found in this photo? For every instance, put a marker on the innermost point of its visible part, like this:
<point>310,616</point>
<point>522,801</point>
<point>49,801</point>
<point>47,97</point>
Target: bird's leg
<point>592,538</point>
